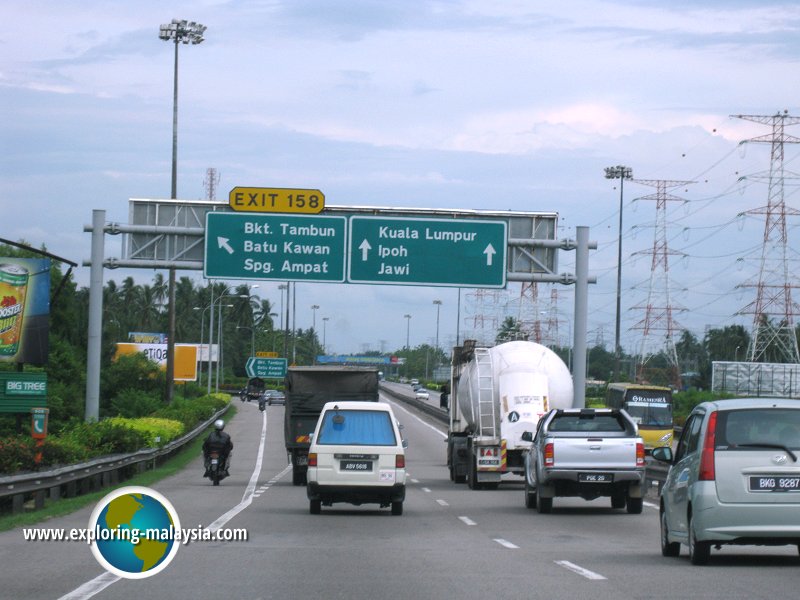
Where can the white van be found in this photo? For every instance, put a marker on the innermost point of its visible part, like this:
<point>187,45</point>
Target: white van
<point>357,455</point>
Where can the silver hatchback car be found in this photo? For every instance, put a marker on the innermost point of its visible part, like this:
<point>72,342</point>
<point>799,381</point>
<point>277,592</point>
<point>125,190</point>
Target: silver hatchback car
<point>734,479</point>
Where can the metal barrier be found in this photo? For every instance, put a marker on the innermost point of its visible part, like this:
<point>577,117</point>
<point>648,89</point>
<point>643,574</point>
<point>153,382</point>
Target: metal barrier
<point>89,476</point>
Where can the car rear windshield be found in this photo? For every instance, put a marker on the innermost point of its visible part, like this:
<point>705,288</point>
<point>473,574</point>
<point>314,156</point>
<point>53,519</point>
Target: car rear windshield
<point>356,428</point>
<point>587,422</point>
<point>759,426</point>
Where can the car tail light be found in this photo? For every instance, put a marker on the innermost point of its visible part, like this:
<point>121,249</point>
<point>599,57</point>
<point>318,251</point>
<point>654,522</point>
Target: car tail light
<point>639,454</point>
<point>707,471</point>
<point>549,456</point>
<point>312,459</point>
<point>399,461</point>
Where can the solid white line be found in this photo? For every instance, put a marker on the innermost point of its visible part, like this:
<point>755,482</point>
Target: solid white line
<point>579,570</point>
<point>101,582</point>
<point>90,588</point>
<point>442,502</point>
<point>413,416</point>
<point>506,543</point>
<point>467,521</point>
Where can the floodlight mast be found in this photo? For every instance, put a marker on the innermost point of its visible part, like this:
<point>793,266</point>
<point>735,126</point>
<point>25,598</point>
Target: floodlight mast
<point>622,173</point>
<point>187,32</point>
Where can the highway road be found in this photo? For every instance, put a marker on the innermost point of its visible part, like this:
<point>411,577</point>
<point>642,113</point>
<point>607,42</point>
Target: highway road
<point>450,541</point>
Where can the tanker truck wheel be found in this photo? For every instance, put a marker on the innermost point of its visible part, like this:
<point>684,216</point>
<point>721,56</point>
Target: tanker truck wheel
<point>472,474</point>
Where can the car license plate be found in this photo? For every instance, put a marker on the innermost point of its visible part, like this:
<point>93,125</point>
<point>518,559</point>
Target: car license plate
<point>775,483</point>
<point>596,477</point>
<point>356,465</point>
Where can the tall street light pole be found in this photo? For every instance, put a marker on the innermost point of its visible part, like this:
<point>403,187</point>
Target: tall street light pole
<point>325,334</point>
<point>438,304</point>
<point>622,173</point>
<point>408,330</point>
<point>185,32</point>
<point>314,308</point>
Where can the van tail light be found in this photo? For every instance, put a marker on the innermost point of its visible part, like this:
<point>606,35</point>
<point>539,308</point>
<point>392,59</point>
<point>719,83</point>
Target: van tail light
<point>639,454</point>
<point>399,461</point>
<point>707,470</point>
<point>312,459</point>
<point>549,456</point>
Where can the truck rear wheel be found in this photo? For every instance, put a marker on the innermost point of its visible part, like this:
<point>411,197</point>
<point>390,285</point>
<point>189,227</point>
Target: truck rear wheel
<point>635,505</point>
<point>298,476</point>
<point>472,474</point>
<point>544,505</point>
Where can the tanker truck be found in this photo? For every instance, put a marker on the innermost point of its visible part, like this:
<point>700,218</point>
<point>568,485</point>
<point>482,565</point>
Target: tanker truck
<point>498,393</point>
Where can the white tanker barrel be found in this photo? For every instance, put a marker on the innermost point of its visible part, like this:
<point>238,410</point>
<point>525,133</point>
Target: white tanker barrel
<point>528,379</point>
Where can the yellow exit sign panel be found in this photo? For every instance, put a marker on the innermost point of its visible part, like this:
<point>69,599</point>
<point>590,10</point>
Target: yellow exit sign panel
<point>279,200</point>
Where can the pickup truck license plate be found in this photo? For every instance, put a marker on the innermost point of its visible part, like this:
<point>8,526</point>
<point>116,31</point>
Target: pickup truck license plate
<point>356,465</point>
<point>775,483</point>
<point>596,477</point>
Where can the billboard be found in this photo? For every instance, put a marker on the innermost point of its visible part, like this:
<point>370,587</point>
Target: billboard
<point>24,310</point>
<point>185,368</point>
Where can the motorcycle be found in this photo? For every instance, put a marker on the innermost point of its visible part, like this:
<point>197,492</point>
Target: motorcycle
<point>215,469</point>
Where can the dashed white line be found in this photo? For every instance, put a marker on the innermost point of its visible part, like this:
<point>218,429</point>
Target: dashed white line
<point>442,502</point>
<point>426,490</point>
<point>506,543</point>
<point>650,504</point>
<point>467,521</point>
<point>415,481</point>
<point>579,570</point>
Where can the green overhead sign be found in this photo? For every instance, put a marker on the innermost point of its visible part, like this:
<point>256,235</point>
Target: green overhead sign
<point>275,246</point>
<point>419,251</point>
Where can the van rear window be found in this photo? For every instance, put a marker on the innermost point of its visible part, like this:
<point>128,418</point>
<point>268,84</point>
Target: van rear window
<point>356,428</point>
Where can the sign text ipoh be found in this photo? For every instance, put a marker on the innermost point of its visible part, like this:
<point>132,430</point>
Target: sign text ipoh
<point>279,246</point>
<point>412,251</point>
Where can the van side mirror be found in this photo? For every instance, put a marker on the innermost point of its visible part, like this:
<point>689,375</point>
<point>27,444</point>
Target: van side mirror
<point>527,436</point>
<point>663,454</point>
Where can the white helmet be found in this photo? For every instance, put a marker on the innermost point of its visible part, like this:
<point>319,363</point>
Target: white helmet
<point>219,424</point>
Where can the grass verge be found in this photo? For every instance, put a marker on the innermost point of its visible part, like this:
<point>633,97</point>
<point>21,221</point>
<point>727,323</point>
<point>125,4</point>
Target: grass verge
<point>65,506</point>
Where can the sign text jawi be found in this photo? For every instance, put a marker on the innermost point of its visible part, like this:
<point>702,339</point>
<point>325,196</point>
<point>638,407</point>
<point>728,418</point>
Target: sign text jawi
<point>411,251</point>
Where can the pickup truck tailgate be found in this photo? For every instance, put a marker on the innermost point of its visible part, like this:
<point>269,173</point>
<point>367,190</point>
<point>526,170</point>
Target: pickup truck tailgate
<point>605,453</point>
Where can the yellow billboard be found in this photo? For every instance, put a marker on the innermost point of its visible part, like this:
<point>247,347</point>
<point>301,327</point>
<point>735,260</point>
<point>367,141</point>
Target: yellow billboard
<point>185,368</point>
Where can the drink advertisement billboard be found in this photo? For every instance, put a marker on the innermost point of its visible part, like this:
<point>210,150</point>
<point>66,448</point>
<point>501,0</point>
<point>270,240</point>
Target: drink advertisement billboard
<point>24,310</point>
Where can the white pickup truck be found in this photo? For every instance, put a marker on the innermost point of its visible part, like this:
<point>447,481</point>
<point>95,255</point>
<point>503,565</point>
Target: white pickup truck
<point>587,453</point>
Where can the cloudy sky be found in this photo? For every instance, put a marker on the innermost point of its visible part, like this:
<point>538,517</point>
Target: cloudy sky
<point>433,104</point>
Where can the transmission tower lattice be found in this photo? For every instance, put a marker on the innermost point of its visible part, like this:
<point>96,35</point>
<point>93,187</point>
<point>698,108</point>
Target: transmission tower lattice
<point>773,337</point>
<point>210,183</point>
<point>659,308</point>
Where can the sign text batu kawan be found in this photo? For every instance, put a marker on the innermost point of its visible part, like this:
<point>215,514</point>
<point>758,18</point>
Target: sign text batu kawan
<point>276,200</point>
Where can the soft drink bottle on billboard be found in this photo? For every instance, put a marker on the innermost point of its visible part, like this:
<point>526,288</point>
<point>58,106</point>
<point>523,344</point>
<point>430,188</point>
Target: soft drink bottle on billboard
<point>13,289</point>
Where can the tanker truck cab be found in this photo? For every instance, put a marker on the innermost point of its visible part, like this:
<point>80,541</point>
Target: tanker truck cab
<point>357,456</point>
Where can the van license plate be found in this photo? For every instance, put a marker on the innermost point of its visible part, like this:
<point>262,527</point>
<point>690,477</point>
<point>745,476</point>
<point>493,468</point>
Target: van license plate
<point>775,483</point>
<point>596,477</point>
<point>356,465</point>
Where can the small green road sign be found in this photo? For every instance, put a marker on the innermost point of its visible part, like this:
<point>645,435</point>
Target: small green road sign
<point>266,368</point>
<point>418,251</point>
<point>20,392</point>
<point>275,246</point>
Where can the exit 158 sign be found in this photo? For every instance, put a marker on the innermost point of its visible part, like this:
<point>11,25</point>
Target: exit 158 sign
<point>420,251</point>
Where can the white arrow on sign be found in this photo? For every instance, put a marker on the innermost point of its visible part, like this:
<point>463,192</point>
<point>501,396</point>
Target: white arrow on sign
<point>223,243</point>
<point>365,248</point>
<point>489,252</point>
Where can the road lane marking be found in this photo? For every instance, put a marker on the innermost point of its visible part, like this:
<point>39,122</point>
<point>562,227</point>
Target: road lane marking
<point>101,582</point>
<point>579,570</point>
<point>426,490</point>
<point>506,543</point>
<point>467,521</point>
<point>442,502</point>
<point>413,416</point>
<point>650,504</point>
<point>414,480</point>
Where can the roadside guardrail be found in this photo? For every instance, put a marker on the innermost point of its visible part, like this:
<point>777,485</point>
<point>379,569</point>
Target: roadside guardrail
<point>74,480</point>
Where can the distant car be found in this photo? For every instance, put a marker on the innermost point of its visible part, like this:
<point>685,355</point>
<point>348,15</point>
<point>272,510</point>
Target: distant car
<point>734,479</point>
<point>414,382</point>
<point>357,455</point>
<point>422,394</point>
<point>275,397</point>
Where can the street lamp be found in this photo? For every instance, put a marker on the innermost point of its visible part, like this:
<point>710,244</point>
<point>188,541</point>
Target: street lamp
<point>622,173</point>
<point>438,304</point>
<point>408,329</point>
<point>186,33</point>
<point>324,334</point>
<point>314,308</point>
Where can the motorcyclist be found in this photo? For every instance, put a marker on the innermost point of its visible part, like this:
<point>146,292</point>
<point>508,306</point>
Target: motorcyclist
<point>219,441</point>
